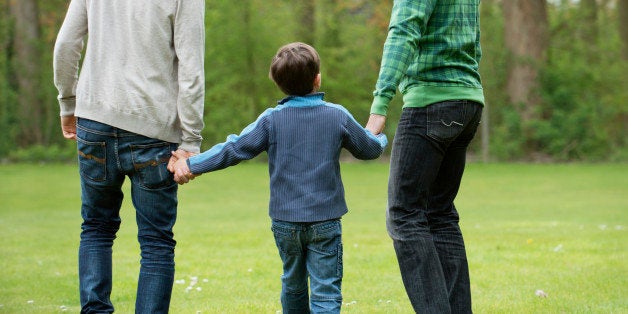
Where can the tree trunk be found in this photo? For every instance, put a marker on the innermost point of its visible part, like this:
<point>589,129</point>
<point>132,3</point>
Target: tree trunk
<point>526,38</point>
<point>26,68</point>
<point>249,50</point>
<point>590,28</point>
<point>622,7</point>
<point>306,15</point>
<point>331,24</point>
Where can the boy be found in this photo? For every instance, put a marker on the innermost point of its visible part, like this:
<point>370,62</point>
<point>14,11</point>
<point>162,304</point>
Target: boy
<point>303,136</point>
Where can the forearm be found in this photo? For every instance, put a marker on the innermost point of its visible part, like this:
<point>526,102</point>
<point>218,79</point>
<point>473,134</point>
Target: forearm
<point>362,143</point>
<point>251,142</point>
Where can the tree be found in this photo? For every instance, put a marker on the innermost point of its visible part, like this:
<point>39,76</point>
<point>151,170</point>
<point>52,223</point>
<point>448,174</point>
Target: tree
<point>306,15</point>
<point>26,66</point>
<point>622,8</point>
<point>526,38</point>
<point>590,29</point>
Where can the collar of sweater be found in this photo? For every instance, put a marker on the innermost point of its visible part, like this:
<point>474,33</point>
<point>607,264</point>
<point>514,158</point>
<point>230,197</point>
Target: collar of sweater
<point>309,100</point>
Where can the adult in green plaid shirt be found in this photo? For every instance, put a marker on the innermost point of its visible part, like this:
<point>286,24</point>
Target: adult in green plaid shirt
<point>431,55</point>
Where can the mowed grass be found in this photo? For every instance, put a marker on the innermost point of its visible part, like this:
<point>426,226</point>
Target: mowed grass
<point>560,231</point>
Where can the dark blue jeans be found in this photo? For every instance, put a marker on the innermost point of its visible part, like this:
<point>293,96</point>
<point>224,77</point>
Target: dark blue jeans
<point>106,156</point>
<point>311,250</point>
<point>427,162</point>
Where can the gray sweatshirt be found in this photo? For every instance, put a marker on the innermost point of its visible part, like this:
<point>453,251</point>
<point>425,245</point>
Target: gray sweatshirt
<point>143,69</point>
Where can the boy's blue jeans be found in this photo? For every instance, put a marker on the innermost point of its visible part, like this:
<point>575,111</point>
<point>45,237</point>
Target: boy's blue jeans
<point>311,250</point>
<point>106,156</point>
<point>427,162</point>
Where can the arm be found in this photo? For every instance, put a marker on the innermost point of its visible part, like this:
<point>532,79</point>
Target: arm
<point>251,142</point>
<point>189,43</point>
<point>362,143</point>
<point>66,58</point>
<point>408,21</point>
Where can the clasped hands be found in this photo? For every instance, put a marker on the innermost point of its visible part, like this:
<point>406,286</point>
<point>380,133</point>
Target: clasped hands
<point>179,167</point>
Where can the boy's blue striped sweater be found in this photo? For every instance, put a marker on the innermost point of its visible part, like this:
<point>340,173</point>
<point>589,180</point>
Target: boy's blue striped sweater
<point>303,136</point>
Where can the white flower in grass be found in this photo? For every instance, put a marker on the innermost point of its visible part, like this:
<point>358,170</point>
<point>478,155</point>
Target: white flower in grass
<point>540,293</point>
<point>558,248</point>
<point>30,302</point>
<point>250,270</point>
<point>63,308</point>
<point>180,281</point>
<point>205,280</point>
<point>199,288</point>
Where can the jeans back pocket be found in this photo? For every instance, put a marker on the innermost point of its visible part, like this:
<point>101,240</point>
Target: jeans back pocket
<point>150,162</point>
<point>445,121</point>
<point>92,159</point>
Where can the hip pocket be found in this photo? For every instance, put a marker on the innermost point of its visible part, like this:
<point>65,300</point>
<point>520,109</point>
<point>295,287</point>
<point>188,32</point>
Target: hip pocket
<point>445,121</point>
<point>287,240</point>
<point>150,162</point>
<point>92,159</point>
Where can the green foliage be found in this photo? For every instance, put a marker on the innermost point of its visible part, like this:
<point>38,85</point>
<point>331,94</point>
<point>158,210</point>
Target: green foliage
<point>583,116</point>
<point>585,87</point>
<point>237,85</point>
<point>64,152</point>
<point>8,120</point>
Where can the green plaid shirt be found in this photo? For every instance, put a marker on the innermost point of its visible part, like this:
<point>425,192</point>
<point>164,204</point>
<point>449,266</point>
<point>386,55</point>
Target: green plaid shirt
<point>432,54</point>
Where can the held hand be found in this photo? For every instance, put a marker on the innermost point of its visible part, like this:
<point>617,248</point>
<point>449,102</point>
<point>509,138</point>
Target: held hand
<point>179,154</point>
<point>68,127</point>
<point>182,174</point>
<point>376,123</point>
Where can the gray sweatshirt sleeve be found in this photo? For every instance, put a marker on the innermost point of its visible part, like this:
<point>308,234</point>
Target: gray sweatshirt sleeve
<point>67,54</point>
<point>189,42</point>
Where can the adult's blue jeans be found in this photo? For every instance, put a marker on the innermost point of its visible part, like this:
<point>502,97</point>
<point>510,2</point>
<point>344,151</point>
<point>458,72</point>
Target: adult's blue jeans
<point>107,155</point>
<point>311,250</point>
<point>426,167</point>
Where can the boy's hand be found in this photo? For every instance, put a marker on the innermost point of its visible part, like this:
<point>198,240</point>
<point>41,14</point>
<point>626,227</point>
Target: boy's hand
<point>182,174</point>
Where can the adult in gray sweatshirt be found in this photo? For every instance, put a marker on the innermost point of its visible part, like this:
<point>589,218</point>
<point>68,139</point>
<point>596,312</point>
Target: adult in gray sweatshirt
<point>139,96</point>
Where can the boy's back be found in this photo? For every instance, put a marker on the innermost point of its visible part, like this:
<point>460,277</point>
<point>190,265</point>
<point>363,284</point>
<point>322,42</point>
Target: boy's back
<point>303,137</point>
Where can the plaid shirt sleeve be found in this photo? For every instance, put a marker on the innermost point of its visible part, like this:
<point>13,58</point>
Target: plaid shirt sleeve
<point>429,42</point>
<point>408,21</point>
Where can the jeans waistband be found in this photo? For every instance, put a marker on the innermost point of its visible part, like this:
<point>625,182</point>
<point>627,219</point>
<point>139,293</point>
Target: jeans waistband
<point>102,128</point>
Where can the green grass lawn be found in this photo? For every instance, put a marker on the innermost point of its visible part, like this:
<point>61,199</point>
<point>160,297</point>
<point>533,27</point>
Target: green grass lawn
<point>561,229</point>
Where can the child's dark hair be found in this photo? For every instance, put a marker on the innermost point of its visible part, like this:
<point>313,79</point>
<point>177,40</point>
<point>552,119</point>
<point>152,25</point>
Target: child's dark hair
<point>294,68</point>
